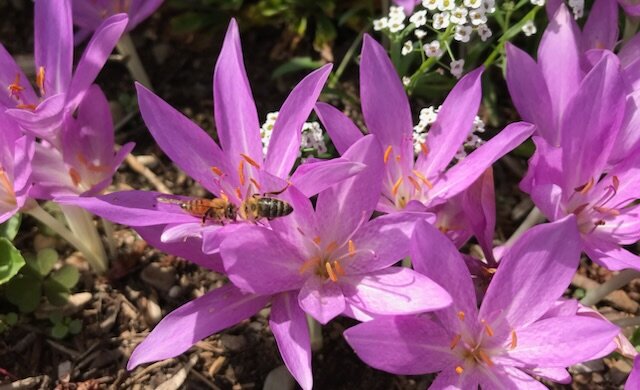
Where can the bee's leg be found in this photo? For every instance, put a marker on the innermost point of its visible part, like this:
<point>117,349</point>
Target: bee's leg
<point>277,192</point>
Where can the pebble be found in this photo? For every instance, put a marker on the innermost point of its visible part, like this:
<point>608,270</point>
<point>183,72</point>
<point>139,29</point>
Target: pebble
<point>175,291</point>
<point>152,312</point>
<point>233,343</point>
<point>162,278</point>
<point>279,379</point>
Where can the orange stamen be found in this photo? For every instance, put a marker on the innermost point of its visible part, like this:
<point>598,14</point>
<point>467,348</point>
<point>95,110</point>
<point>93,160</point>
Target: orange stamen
<point>455,341</point>
<point>4,181</point>
<point>330,272</point>
<point>217,171</point>
<point>15,88</point>
<point>583,189</point>
<point>238,193</point>
<point>459,370</point>
<point>352,248</point>
<point>30,107</point>
<point>415,183</point>
<point>461,315</point>
<point>307,265</point>
<point>396,186</point>
<point>485,358</point>
<point>255,183</point>
<point>606,210</point>
<point>75,176</point>
<point>616,183</point>
<point>487,328</point>
<point>422,177</point>
<point>387,153</point>
<point>90,166</point>
<point>332,246</point>
<point>514,340</point>
<point>338,267</point>
<point>424,148</point>
<point>317,240</point>
<point>250,160</point>
<point>241,172</point>
<point>40,80</point>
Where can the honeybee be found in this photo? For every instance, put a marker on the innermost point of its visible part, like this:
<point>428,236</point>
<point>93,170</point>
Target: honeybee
<point>257,207</point>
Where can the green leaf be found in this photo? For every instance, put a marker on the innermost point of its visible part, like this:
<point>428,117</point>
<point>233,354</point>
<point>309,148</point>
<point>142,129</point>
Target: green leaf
<point>55,292</point>
<point>56,318</point>
<point>325,32</point>
<point>24,291</point>
<point>10,260</point>
<point>67,276</point>
<point>44,261</point>
<point>75,326</point>
<point>11,318</point>
<point>59,331</point>
<point>296,64</point>
<point>9,228</point>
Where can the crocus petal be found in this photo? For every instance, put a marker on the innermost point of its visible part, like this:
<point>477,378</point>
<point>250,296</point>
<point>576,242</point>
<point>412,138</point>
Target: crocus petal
<point>287,131</point>
<point>341,129</point>
<point>589,126</point>
<point>22,156</point>
<point>505,377</point>
<point>454,123</point>
<point>312,178</point>
<point>9,72</point>
<point>408,5</point>
<point>388,237</point>
<point>545,166</point>
<point>132,208</point>
<point>551,7</point>
<point>548,252</point>
<point>559,342</point>
<point>353,199</point>
<point>449,379</point>
<point>479,204</point>
<point>610,255</point>
<point>435,256</point>
<point>193,151</point>
<point>405,345</point>
<point>385,105</point>
<point>95,56</point>
<point>631,7</point>
<point>188,248</point>
<point>54,44</point>
<point>630,62</point>
<point>634,377</point>
<point>45,121</point>
<point>142,9</point>
<point>601,29</point>
<point>529,92</point>
<point>289,326</point>
<point>628,139</point>
<point>559,59</point>
<point>548,198</point>
<point>235,111</point>
<point>560,375</point>
<point>257,260</point>
<point>322,299</point>
<point>394,291</point>
<point>195,320</point>
<point>562,307</point>
<point>471,167</point>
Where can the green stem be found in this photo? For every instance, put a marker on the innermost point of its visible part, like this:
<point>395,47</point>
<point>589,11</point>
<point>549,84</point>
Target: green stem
<point>347,59</point>
<point>533,218</point>
<point>315,333</point>
<point>81,224</point>
<point>617,281</point>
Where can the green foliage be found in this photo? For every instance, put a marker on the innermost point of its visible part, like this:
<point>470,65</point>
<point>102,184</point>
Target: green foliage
<point>11,261</point>
<point>296,64</point>
<point>9,228</point>
<point>64,326</point>
<point>39,278</point>
<point>7,321</point>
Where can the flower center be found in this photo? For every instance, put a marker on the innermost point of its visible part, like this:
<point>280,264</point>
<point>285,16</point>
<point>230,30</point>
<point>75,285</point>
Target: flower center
<point>401,187</point>
<point>7,193</point>
<point>327,263</point>
<point>16,90</point>
<point>597,213</point>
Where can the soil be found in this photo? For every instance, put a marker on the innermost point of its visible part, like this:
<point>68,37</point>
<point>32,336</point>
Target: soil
<point>144,284</point>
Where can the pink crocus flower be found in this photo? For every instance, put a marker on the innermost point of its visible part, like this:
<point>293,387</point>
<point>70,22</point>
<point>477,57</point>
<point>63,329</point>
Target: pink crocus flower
<point>518,331</point>
<point>633,382</point>
<point>16,153</point>
<point>89,14</point>
<point>59,89</point>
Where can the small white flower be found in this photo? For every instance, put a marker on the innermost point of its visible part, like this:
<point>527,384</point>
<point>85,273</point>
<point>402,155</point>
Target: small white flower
<point>380,24</point>
<point>267,129</point>
<point>473,3</point>
<point>446,5</point>
<point>459,15</point>
<point>441,20</point>
<point>538,2</point>
<point>420,33</point>
<point>460,154</point>
<point>396,25</point>
<point>456,68</point>
<point>484,32</point>
<point>477,17</point>
<point>431,5</point>
<point>463,33</point>
<point>419,19</point>
<point>489,6</point>
<point>529,28</point>
<point>432,49</point>
<point>478,125</point>
<point>406,81</point>
<point>407,48</point>
<point>577,7</point>
<point>397,13</point>
<point>428,115</point>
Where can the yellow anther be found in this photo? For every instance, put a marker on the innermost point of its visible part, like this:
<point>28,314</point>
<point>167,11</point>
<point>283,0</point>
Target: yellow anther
<point>424,179</point>
<point>238,193</point>
<point>255,183</point>
<point>317,239</point>
<point>217,171</point>
<point>606,210</point>
<point>583,189</point>
<point>461,315</point>
<point>241,172</point>
<point>485,358</point>
<point>75,176</point>
<point>616,182</point>
<point>30,107</point>
<point>40,80</point>
<point>415,183</point>
<point>459,370</point>
<point>396,186</point>
<point>330,272</point>
<point>338,267</point>
<point>514,340</point>
<point>15,88</point>
<point>455,341</point>
<point>352,248</point>
<point>250,160</point>
<point>487,328</point>
<point>424,148</point>
<point>387,153</point>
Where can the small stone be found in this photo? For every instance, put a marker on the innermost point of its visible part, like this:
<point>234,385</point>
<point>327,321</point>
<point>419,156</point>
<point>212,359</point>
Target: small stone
<point>619,371</point>
<point>175,291</point>
<point>159,277</point>
<point>233,343</point>
<point>279,379</point>
<point>64,370</point>
<point>40,242</point>
<point>152,312</point>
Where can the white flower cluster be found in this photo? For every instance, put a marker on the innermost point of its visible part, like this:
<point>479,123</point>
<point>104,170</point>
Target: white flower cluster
<point>428,116</point>
<point>577,6</point>
<point>394,22</point>
<point>312,136</point>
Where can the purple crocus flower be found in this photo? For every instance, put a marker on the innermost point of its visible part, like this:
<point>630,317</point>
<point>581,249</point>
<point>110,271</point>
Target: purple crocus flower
<point>631,7</point>
<point>407,5</point>
<point>88,15</point>
<point>310,262</point>
<point>237,168</point>
<point>15,167</point>
<point>633,382</point>
<point>516,332</point>
<point>86,162</point>
<point>59,91</point>
<point>428,183</point>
